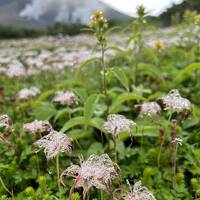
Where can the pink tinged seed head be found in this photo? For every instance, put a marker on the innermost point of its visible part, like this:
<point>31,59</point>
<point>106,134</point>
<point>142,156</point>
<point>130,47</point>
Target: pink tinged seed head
<point>25,94</point>
<point>16,71</point>
<point>174,102</point>
<point>66,98</point>
<point>97,171</point>
<point>55,143</point>
<point>117,123</point>
<point>139,192</point>
<point>149,109</point>
<point>38,127</point>
<point>5,122</point>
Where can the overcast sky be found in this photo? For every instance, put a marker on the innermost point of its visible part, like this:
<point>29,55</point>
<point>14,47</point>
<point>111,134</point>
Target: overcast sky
<point>128,6</point>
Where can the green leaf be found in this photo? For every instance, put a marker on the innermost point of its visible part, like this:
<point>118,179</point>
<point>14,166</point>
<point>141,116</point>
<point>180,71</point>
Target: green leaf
<point>86,63</point>
<point>95,148</point>
<point>80,121</point>
<point>44,111</point>
<point>73,122</point>
<point>89,107</point>
<point>45,95</point>
<point>123,98</point>
<point>121,76</point>
<point>77,134</point>
<point>187,72</point>
<point>61,113</point>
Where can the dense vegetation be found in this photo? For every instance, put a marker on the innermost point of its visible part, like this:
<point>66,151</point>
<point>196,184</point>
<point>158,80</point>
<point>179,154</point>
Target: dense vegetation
<point>158,146</point>
<point>9,32</point>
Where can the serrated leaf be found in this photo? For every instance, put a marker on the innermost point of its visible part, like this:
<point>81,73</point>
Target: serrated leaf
<point>123,98</point>
<point>89,107</point>
<point>187,72</point>
<point>121,76</point>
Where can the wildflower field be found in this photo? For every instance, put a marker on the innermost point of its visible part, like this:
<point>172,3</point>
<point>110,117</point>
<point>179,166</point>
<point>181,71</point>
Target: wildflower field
<point>110,115</point>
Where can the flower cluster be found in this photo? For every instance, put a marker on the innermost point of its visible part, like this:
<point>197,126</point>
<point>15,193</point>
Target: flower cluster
<point>177,141</point>
<point>99,25</point>
<point>97,171</point>
<point>139,192</point>
<point>149,109</point>
<point>175,103</point>
<point>25,94</point>
<point>15,71</point>
<point>158,45</point>
<point>98,21</point>
<point>197,19</point>
<point>54,143</point>
<point>117,123</point>
<point>66,98</point>
<point>37,127</point>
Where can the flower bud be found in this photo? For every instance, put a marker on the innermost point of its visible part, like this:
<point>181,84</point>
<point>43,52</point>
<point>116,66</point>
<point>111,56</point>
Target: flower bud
<point>30,191</point>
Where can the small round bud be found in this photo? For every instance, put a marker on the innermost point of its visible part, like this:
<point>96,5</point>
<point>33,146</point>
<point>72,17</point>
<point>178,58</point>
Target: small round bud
<point>194,182</point>
<point>180,176</point>
<point>30,191</point>
<point>141,11</point>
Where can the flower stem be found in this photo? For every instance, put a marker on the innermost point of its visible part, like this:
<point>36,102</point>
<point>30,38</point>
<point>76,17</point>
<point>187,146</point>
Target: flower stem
<point>174,171</point>
<point>104,68</point>
<point>58,172</point>
<point>161,145</point>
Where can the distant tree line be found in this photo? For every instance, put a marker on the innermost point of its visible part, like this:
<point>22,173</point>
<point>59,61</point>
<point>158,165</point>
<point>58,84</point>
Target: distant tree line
<point>176,11</point>
<point>8,32</point>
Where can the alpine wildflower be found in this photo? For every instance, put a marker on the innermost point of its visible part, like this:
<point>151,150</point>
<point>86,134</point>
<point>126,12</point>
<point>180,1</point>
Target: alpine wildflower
<point>117,123</point>
<point>175,103</point>
<point>27,93</point>
<point>139,192</point>
<point>55,143</point>
<point>38,126</point>
<point>66,98</point>
<point>97,171</point>
<point>149,109</point>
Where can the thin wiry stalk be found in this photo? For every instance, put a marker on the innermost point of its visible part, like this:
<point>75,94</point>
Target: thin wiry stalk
<point>174,172</point>
<point>104,68</point>
<point>58,172</point>
<point>161,145</point>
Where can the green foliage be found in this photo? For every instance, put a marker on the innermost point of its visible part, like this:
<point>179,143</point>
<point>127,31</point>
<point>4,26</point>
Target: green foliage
<point>25,174</point>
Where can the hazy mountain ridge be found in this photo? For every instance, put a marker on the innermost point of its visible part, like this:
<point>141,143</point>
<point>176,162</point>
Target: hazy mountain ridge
<point>10,9</point>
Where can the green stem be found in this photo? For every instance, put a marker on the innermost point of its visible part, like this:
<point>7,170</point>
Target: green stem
<point>101,194</point>
<point>58,172</point>
<point>174,172</point>
<point>104,68</point>
<point>6,189</point>
<point>159,154</point>
<point>115,150</point>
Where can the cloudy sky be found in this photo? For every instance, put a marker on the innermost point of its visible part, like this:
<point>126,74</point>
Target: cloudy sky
<point>80,10</point>
<point>128,6</point>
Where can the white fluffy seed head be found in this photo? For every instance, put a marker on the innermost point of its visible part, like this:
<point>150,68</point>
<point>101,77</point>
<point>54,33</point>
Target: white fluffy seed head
<point>174,102</point>
<point>15,71</point>
<point>66,98</point>
<point>25,94</point>
<point>55,143</point>
<point>5,122</point>
<point>139,192</point>
<point>150,109</point>
<point>97,171</point>
<point>177,141</point>
<point>37,127</point>
<point>117,123</point>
